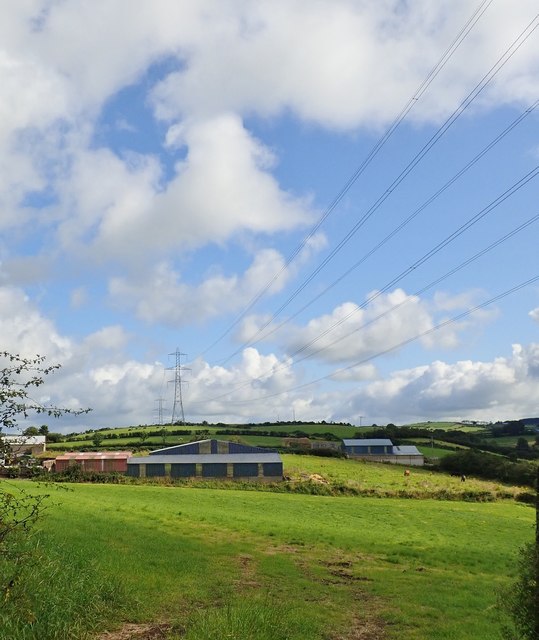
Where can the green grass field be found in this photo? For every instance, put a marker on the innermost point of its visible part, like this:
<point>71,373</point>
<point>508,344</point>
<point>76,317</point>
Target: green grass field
<point>389,479</point>
<point>225,563</point>
<point>255,436</point>
<point>448,426</point>
<point>511,441</point>
<point>434,452</point>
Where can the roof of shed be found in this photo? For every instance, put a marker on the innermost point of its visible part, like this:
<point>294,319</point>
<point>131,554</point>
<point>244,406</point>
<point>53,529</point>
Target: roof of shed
<point>247,447</point>
<point>366,442</point>
<point>23,440</point>
<point>94,455</point>
<point>407,450</point>
<point>207,457</point>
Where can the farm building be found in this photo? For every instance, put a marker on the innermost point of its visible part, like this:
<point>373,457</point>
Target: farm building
<point>20,445</point>
<point>307,443</point>
<point>101,461</point>
<point>383,450</point>
<point>209,459</point>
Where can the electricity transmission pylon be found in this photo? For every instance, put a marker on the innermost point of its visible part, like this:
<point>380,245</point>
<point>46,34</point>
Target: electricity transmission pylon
<point>160,410</point>
<point>178,383</point>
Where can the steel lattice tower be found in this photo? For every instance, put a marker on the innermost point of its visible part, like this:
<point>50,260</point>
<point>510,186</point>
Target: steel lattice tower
<point>160,410</point>
<point>178,382</point>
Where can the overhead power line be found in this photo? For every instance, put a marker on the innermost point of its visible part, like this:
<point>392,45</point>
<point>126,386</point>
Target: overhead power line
<point>400,227</point>
<point>433,73</point>
<point>476,91</point>
<point>432,252</point>
<point>419,292</point>
<point>423,334</point>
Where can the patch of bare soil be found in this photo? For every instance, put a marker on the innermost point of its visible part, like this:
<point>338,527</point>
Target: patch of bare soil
<point>284,548</point>
<point>248,572</point>
<point>342,573</point>
<point>364,630</point>
<point>138,632</point>
<point>362,627</point>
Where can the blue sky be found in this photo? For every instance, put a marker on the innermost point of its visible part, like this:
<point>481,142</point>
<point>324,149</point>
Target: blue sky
<point>161,164</point>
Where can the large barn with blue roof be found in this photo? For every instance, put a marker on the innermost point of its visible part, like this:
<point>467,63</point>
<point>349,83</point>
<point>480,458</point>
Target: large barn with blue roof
<point>217,459</point>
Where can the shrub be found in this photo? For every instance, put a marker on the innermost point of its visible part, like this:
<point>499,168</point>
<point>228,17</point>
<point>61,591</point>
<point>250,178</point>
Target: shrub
<point>75,473</point>
<point>491,467</point>
<point>518,601</point>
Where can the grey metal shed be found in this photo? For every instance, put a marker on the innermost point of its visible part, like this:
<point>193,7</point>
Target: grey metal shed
<point>209,459</point>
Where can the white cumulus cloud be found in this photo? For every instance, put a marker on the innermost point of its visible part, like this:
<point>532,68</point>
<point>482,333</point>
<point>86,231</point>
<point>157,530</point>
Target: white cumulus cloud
<point>353,332</point>
<point>500,389</point>
<point>160,296</point>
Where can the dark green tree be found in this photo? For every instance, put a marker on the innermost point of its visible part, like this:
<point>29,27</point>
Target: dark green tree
<point>54,437</point>
<point>98,439</point>
<point>523,444</point>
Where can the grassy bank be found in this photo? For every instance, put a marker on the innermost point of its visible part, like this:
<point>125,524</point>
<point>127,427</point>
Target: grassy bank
<point>387,480</point>
<point>289,567</point>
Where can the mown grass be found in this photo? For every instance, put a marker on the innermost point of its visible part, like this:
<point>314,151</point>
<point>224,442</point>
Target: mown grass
<point>245,565</point>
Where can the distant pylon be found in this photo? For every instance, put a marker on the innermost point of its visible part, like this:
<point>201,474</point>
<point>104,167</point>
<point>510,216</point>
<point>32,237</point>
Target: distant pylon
<point>178,398</point>
<point>160,410</point>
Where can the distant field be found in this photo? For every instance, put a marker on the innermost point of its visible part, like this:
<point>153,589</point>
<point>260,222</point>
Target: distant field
<point>425,446</point>
<point>447,426</point>
<point>85,440</point>
<point>511,441</point>
<point>308,428</point>
<point>434,452</point>
<point>255,436</point>
<point>251,565</point>
<point>427,442</point>
<point>340,431</point>
<point>258,441</point>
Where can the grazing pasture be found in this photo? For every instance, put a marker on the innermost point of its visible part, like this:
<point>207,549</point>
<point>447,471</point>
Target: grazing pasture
<point>212,563</point>
<point>434,452</point>
<point>388,480</point>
